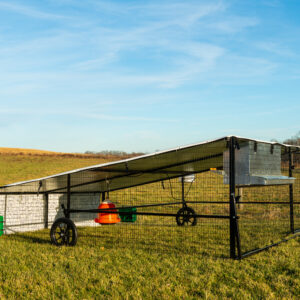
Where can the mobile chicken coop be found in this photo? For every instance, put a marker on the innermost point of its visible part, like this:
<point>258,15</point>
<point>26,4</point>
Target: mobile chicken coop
<point>234,192</point>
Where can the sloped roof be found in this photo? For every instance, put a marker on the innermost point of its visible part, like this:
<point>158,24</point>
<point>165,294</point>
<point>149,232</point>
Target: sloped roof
<point>134,171</point>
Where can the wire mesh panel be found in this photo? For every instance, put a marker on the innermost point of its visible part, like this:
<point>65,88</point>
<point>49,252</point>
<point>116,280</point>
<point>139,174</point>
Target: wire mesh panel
<point>166,230</point>
<point>296,191</point>
<point>264,216</point>
<point>265,211</point>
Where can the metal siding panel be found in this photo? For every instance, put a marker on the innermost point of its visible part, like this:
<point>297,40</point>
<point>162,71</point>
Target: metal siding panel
<point>191,158</point>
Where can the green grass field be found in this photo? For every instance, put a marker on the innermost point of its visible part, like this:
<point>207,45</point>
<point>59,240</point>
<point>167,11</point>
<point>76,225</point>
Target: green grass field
<point>158,261</point>
<point>111,268</point>
<point>19,167</point>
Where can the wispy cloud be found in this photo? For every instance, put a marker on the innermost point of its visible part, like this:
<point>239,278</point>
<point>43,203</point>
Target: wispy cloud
<point>272,3</point>
<point>181,14</point>
<point>167,32</point>
<point>29,11</point>
<point>233,24</point>
<point>130,63</point>
<point>176,12</point>
<point>79,114</point>
<point>275,48</point>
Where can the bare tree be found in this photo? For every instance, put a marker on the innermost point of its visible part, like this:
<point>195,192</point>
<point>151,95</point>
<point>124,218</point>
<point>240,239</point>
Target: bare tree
<point>294,140</point>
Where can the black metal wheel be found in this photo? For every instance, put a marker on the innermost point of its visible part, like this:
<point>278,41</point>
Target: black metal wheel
<point>186,216</point>
<point>63,232</point>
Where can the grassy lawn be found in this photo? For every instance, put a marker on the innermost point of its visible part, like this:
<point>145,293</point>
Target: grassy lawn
<point>157,260</point>
<point>109,265</point>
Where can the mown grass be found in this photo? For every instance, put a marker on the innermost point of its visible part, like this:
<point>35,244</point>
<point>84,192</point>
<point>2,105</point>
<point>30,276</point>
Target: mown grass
<point>115,268</point>
<point>158,261</point>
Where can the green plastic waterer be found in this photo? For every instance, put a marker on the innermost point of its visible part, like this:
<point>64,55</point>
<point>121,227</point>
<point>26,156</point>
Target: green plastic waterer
<point>130,218</point>
<point>1,225</point>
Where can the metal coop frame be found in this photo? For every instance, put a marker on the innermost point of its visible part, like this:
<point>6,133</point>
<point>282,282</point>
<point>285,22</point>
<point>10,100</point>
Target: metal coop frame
<point>254,173</point>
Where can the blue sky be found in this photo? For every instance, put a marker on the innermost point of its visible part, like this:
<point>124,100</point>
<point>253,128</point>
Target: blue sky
<point>147,75</point>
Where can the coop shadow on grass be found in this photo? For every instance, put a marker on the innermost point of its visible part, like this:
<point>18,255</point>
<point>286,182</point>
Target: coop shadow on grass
<point>168,239</point>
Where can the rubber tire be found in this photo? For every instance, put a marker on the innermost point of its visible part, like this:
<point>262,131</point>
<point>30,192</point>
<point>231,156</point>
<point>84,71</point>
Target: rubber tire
<point>70,224</point>
<point>183,210</point>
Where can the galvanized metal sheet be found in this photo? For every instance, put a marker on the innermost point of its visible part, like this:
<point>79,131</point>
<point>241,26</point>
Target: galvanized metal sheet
<point>256,163</point>
<point>135,171</point>
<point>130,172</point>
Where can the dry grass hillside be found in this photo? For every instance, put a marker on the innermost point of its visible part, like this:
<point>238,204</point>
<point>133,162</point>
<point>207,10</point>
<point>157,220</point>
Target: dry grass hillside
<point>35,152</point>
<point>21,151</point>
<point>17,164</point>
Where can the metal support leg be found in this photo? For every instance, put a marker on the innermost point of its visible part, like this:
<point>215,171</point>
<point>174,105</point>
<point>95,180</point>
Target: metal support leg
<point>68,196</point>
<point>234,229</point>
<point>291,193</point>
<point>46,210</point>
<point>182,192</point>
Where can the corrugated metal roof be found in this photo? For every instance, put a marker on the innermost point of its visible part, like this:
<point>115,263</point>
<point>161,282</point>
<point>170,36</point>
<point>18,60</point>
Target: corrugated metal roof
<point>135,171</point>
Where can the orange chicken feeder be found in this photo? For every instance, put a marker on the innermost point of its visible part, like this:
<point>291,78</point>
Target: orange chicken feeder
<point>110,217</point>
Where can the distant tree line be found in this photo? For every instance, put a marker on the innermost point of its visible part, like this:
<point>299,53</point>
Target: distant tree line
<point>295,140</point>
<point>114,153</point>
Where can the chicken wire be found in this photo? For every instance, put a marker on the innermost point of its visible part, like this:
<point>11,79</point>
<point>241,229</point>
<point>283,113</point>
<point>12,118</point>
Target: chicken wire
<point>206,195</point>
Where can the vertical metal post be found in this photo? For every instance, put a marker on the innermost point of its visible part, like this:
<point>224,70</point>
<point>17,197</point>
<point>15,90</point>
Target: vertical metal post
<point>237,231</point>
<point>46,210</point>
<point>233,224</point>
<point>291,192</point>
<point>5,209</point>
<point>182,191</point>
<point>68,195</point>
